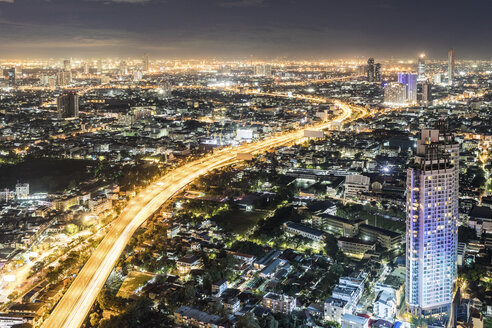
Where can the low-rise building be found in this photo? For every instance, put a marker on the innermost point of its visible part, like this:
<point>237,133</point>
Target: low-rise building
<point>386,238</point>
<point>354,247</point>
<point>354,321</point>
<point>279,303</point>
<point>187,263</point>
<point>186,316</point>
<point>305,231</point>
<point>355,184</point>
<point>335,308</point>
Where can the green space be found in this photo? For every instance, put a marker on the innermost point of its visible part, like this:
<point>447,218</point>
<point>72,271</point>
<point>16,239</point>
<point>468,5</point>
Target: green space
<point>238,221</point>
<point>132,282</point>
<point>46,174</point>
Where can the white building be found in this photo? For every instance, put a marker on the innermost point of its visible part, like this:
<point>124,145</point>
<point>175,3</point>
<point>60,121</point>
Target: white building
<point>384,305</point>
<point>22,190</point>
<point>335,308</point>
<point>354,321</point>
<point>355,184</point>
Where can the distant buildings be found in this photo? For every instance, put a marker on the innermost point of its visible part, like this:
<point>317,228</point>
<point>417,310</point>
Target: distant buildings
<point>146,63</point>
<point>373,71</point>
<point>421,69</point>
<point>403,92</point>
<point>21,190</point>
<point>68,105</point>
<point>432,211</point>
<point>450,66</point>
<point>263,70</point>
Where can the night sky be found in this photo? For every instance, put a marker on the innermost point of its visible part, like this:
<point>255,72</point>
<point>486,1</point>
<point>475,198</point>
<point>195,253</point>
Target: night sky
<point>245,28</point>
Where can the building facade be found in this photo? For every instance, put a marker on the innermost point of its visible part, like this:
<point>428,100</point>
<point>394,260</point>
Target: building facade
<point>432,212</point>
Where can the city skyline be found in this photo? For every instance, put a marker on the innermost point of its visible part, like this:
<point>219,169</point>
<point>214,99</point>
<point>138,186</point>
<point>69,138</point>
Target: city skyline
<point>242,29</point>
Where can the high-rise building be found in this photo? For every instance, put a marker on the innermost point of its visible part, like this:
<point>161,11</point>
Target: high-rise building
<point>395,94</point>
<point>371,70</point>
<point>431,236</point>
<point>63,77</point>
<point>99,67</point>
<point>450,66</point>
<point>67,65</point>
<point>146,63</point>
<point>377,73</point>
<point>68,105</point>
<point>10,74</point>
<point>410,81</point>
<point>426,96</point>
<point>86,68</point>
<point>421,68</point>
<point>123,68</point>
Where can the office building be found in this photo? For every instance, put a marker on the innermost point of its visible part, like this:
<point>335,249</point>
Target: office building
<point>68,105</point>
<point>371,70</point>
<point>421,69</point>
<point>99,66</point>
<point>432,211</point>
<point>450,66</point>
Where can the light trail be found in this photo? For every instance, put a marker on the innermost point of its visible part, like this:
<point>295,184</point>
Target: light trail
<point>77,301</point>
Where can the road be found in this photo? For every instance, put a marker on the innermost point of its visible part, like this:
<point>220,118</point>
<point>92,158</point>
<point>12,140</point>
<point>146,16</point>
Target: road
<point>77,301</point>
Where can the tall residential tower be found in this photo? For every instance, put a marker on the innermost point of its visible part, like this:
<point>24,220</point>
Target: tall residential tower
<point>431,236</point>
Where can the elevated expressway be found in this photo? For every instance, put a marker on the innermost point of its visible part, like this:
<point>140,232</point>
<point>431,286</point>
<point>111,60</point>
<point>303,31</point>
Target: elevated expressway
<point>77,301</point>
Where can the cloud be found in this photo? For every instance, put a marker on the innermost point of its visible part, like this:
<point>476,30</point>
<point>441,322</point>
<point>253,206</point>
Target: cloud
<point>241,3</point>
<point>8,1</point>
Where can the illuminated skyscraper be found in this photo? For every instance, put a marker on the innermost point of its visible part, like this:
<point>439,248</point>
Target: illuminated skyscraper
<point>450,66</point>
<point>421,68</point>
<point>426,93</point>
<point>431,236</point>
<point>123,68</point>
<point>371,70</point>
<point>410,81</point>
<point>99,66</point>
<point>68,105</point>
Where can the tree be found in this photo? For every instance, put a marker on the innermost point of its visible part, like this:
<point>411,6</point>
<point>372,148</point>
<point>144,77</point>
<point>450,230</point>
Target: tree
<point>248,321</point>
<point>465,234</point>
<point>331,245</point>
<point>269,322</point>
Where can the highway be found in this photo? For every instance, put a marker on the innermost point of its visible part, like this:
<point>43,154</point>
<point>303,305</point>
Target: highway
<point>77,301</point>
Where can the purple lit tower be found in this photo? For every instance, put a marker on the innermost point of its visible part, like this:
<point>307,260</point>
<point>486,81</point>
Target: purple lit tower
<point>432,213</point>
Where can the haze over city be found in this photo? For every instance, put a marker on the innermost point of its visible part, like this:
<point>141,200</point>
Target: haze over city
<point>244,28</point>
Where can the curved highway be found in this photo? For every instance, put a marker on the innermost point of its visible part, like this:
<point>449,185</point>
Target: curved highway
<point>77,301</point>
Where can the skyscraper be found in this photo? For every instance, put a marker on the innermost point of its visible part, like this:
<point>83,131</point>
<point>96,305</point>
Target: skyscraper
<point>410,82</point>
<point>377,73</point>
<point>426,93</point>
<point>421,68</point>
<point>67,65</point>
<point>450,66</point>
<point>370,70</point>
<point>431,236</point>
<point>146,63</point>
<point>68,105</point>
